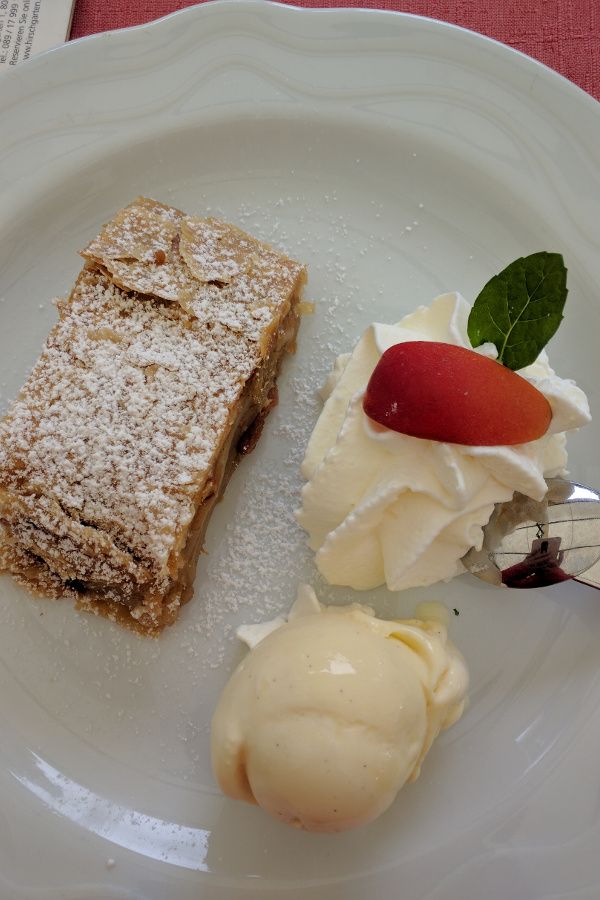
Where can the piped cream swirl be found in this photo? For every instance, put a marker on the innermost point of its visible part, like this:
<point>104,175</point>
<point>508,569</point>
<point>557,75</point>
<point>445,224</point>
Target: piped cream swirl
<point>382,507</point>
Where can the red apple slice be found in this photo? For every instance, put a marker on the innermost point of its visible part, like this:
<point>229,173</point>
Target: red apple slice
<point>446,393</point>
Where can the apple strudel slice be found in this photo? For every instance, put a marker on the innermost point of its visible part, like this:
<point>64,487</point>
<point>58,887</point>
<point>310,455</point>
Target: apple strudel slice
<point>157,376</point>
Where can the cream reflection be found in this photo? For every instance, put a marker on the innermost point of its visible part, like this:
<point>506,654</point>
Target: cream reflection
<point>339,665</point>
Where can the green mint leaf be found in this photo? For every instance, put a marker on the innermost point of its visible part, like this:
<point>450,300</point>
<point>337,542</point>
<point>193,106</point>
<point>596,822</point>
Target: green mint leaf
<point>520,309</point>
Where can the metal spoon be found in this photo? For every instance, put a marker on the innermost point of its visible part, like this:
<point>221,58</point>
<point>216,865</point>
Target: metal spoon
<point>530,544</point>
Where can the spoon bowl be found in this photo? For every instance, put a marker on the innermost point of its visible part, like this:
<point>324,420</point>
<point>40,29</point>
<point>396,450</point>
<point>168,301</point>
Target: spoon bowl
<point>529,543</point>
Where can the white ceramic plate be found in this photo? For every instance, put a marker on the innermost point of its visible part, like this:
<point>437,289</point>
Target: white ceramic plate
<point>399,157</point>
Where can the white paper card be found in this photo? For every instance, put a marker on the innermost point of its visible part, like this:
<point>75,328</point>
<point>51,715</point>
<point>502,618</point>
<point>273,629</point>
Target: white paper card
<point>30,26</point>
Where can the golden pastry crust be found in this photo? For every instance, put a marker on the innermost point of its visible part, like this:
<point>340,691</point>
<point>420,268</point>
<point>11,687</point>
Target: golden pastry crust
<point>111,459</point>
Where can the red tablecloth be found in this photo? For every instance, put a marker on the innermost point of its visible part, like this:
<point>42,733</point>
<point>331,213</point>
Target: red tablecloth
<point>564,34</point>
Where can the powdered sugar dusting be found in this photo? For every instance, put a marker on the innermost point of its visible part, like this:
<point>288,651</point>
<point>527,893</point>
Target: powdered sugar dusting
<point>263,539</point>
<point>212,251</point>
<point>125,449</point>
<point>256,551</point>
<point>110,448</point>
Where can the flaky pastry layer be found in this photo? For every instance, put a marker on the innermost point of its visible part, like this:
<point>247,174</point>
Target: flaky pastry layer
<point>157,376</point>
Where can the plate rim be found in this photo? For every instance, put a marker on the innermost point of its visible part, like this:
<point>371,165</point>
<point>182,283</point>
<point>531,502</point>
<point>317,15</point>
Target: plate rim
<point>293,8</point>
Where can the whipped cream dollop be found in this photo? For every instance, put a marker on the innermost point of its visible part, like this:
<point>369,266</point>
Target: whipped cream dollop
<point>333,710</point>
<point>386,508</point>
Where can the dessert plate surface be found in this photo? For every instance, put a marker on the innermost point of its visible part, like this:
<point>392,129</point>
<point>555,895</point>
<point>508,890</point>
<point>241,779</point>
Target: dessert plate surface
<point>399,157</point>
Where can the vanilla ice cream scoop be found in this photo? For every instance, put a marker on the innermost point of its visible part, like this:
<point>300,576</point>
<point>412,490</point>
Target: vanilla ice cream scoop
<point>333,711</point>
